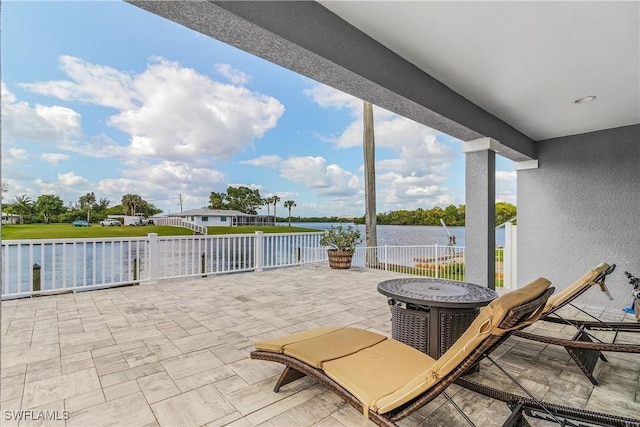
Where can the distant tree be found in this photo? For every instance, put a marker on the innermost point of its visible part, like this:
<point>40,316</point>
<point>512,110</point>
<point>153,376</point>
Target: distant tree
<point>217,200</point>
<point>49,205</point>
<point>243,199</point>
<point>275,199</point>
<point>86,202</point>
<point>504,212</point>
<point>148,209</point>
<point>289,204</point>
<point>103,204</point>
<point>115,210</point>
<point>130,203</point>
<point>267,202</point>
<point>22,206</point>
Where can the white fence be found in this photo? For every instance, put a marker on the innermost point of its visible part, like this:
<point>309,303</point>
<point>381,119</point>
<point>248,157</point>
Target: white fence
<point>33,267</point>
<point>179,222</point>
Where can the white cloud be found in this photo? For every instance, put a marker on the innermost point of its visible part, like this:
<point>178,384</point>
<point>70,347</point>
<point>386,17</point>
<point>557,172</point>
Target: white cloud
<point>67,186</point>
<point>39,123</point>
<point>328,97</point>
<point>163,181</point>
<point>506,186</point>
<point>270,161</point>
<point>170,112</point>
<point>18,154</point>
<point>235,76</point>
<point>54,158</point>
<point>96,84</point>
<point>313,172</point>
<point>412,179</point>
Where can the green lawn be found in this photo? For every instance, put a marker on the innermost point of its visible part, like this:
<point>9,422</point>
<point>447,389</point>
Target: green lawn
<point>65,231</point>
<point>264,229</point>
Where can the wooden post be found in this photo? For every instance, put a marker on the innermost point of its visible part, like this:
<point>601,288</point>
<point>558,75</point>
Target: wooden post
<point>135,271</point>
<point>36,277</point>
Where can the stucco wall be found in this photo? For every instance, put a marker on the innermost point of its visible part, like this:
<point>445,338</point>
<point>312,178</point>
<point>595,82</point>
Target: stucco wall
<point>581,207</point>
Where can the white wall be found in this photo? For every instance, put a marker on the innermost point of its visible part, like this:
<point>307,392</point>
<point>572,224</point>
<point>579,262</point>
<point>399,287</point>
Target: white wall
<point>582,207</point>
<point>213,221</point>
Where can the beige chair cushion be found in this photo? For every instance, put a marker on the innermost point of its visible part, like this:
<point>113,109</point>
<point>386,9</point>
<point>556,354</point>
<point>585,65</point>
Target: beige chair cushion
<point>490,317</point>
<point>333,345</point>
<point>378,371</point>
<point>277,345</point>
<point>561,298</point>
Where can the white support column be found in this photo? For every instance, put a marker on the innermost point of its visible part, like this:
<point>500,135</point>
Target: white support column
<point>480,195</point>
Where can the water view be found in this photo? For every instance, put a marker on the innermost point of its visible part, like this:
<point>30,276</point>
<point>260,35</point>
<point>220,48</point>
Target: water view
<point>405,235</point>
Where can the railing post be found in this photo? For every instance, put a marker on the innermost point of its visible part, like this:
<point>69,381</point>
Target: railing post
<point>257,252</point>
<point>437,263</point>
<point>386,259</point>
<point>134,270</point>
<point>154,257</point>
<point>36,277</point>
<point>509,257</point>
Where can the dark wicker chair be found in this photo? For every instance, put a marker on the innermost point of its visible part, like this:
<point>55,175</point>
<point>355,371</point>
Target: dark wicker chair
<point>482,337</point>
<point>584,348</point>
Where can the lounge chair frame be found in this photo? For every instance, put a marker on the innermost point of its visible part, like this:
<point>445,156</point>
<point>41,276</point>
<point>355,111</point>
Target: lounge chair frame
<point>521,405</point>
<point>296,369</point>
<point>584,348</point>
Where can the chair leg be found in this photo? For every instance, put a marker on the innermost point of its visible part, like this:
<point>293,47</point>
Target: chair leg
<point>516,419</point>
<point>288,375</point>
<point>584,358</point>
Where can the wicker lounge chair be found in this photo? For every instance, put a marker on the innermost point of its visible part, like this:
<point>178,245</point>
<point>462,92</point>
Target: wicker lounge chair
<point>386,379</point>
<point>584,348</point>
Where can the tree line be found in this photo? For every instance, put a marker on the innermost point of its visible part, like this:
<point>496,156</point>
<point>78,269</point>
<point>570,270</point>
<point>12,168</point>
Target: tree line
<point>451,215</point>
<point>49,208</point>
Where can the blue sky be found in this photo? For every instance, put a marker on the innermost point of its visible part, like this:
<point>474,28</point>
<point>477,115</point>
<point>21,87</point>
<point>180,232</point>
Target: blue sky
<point>106,97</point>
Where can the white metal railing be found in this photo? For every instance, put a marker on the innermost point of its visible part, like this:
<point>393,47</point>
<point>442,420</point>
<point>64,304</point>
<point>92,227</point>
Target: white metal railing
<point>426,260</point>
<point>31,267</point>
<point>44,266</point>
<point>287,249</point>
<point>180,222</point>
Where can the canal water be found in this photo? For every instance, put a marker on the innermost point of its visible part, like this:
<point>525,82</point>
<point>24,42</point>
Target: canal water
<point>409,235</point>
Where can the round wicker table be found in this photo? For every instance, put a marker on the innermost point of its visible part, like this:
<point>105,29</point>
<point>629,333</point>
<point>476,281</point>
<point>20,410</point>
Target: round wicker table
<point>431,314</point>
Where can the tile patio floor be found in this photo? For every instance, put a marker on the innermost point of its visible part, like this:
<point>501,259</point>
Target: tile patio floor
<point>176,353</point>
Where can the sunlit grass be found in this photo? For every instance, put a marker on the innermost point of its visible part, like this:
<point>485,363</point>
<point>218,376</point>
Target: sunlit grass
<point>66,231</point>
<point>265,229</point>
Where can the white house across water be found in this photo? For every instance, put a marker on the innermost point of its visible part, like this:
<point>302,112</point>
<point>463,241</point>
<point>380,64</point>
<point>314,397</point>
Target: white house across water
<point>223,217</point>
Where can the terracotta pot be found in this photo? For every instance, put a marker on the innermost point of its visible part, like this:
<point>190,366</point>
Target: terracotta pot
<point>340,260</point>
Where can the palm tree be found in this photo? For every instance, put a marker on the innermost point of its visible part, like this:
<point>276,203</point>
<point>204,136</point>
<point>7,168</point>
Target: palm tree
<point>267,201</point>
<point>275,199</point>
<point>23,205</point>
<point>369,184</point>
<point>130,202</point>
<point>87,201</point>
<point>289,204</point>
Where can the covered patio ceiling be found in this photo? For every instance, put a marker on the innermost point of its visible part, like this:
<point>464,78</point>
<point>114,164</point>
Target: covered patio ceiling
<point>508,70</point>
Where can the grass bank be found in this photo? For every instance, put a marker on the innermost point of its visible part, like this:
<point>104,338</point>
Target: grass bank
<point>264,229</point>
<point>68,231</point>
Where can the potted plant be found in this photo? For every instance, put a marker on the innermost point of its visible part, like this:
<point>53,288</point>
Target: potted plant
<point>342,243</point>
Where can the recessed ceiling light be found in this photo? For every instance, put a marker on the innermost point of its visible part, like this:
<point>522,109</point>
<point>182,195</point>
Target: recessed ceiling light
<point>584,99</point>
